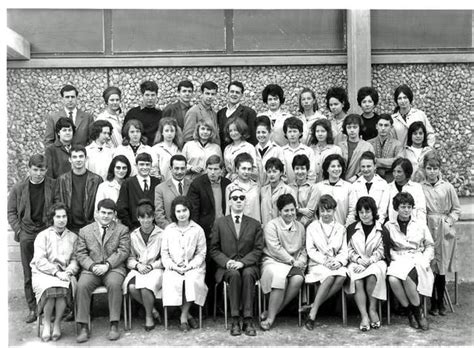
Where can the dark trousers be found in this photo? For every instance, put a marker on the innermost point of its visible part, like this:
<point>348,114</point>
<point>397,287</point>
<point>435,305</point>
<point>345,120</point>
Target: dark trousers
<point>26,251</point>
<point>241,290</point>
<point>87,283</point>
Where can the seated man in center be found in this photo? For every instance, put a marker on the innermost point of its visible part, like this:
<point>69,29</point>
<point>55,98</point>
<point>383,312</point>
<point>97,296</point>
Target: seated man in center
<point>236,247</point>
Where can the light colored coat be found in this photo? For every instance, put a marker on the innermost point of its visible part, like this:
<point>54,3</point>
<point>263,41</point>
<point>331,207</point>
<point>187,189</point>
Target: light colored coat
<point>197,155</point>
<point>379,191</point>
<point>277,119</point>
<point>183,247</point>
<point>442,203</point>
<point>415,249</point>
<point>353,166</point>
<point>282,246</point>
<point>371,248</point>
<point>53,253</point>
<point>289,153</point>
<point>230,153</point>
<point>107,189</point>
<point>163,155</point>
<point>320,154</point>
<point>146,254</point>
<point>164,195</point>
<point>400,127</point>
<point>416,161</point>
<point>306,197</point>
<point>117,122</point>
<point>325,241</point>
<point>342,193</point>
<point>268,199</point>
<point>274,150</point>
<point>98,160</point>
<point>415,189</point>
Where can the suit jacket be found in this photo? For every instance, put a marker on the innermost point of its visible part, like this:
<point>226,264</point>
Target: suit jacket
<point>164,195</point>
<point>114,249</point>
<point>19,207</point>
<point>129,195</point>
<point>246,114</point>
<point>57,159</point>
<point>226,246</point>
<point>83,121</point>
<point>202,201</point>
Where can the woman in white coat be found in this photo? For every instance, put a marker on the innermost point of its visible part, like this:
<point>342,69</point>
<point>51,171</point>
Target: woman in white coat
<point>146,269</point>
<point>53,269</point>
<point>411,249</point>
<point>327,252</point>
<point>183,252</point>
<point>366,269</point>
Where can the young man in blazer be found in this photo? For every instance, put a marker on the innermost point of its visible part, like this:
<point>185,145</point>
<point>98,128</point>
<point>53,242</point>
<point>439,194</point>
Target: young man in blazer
<point>180,107</point>
<point>28,203</point>
<point>81,120</point>
<point>102,250</point>
<point>165,192</point>
<point>236,247</point>
<point>234,109</point>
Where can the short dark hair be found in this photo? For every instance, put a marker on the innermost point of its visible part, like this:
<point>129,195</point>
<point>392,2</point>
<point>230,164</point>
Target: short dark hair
<point>327,162</point>
<point>367,92</point>
<point>327,202</point>
<point>307,90</point>
<point>241,126</point>
<point>405,164</point>
<point>415,126</point>
<point>96,128</point>
<point>241,158</point>
<point>52,211</point>
<point>138,125</point>
<point>405,90</point>
<point>145,208</point>
<point>64,122</point>
<point>183,200</point>
<point>284,200</point>
<point>37,160</point>
<point>111,170</point>
<point>264,121</point>
<point>110,91</point>
<point>300,160</point>
<point>178,157</point>
<point>214,159</point>
<point>294,123</point>
<point>77,148</point>
<point>369,155</point>
<point>148,86</point>
<point>185,83</point>
<point>143,157</point>
<point>340,94</point>
<point>402,198</point>
<point>68,88</point>
<point>432,158</point>
<point>386,117</point>
<point>351,119</point>
<point>210,85</point>
<point>275,163</point>
<point>368,203</point>
<point>273,90</point>
<point>327,126</point>
<point>237,84</point>
<point>107,203</point>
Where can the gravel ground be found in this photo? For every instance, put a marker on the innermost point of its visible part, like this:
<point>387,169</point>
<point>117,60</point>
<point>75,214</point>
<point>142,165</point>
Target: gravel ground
<point>454,329</point>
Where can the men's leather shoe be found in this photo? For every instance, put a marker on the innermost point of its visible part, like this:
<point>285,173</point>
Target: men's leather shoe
<point>114,333</point>
<point>235,329</point>
<point>249,329</point>
<point>83,335</point>
<point>31,317</point>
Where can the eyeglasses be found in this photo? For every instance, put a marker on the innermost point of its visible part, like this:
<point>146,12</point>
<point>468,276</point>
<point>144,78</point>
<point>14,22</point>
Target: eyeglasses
<point>235,198</point>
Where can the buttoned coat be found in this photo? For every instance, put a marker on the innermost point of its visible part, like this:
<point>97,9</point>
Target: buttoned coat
<point>83,122</point>
<point>114,249</point>
<point>225,245</point>
<point>164,195</point>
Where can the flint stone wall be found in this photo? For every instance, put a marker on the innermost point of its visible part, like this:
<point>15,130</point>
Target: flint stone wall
<point>443,91</point>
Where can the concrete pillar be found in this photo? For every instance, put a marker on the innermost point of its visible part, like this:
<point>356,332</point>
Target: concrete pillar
<point>359,71</point>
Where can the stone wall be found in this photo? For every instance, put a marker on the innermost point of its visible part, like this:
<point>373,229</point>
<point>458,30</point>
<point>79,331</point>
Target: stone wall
<point>443,91</point>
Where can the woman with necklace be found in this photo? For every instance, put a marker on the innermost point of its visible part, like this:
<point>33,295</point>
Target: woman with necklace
<point>338,104</point>
<point>53,270</point>
<point>404,115</point>
<point>113,113</point>
<point>327,252</point>
<point>183,252</point>
<point>146,269</point>
<point>309,112</point>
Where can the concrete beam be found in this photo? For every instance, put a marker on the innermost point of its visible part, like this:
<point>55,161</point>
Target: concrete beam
<point>358,54</point>
<point>18,48</point>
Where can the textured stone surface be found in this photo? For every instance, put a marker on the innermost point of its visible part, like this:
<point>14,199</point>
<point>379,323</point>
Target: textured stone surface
<point>445,93</point>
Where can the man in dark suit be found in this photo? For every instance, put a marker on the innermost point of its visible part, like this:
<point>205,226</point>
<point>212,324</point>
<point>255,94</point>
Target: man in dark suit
<point>167,191</point>
<point>102,250</point>
<point>28,203</point>
<point>236,247</point>
<point>233,110</point>
<point>81,120</point>
<point>135,188</point>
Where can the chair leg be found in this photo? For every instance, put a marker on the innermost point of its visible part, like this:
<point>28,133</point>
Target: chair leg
<point>380,309</point>
<point>455,288</point>
<point>129,312</point>
<point>344,308</point>
<point>38,324</point>
<point>425,306</point>
<point>125,316</point>
<point>200,317</point>
<point>447,298</point>
<point>224,289</point>
<point>388,305</point>
<point>215,302</point>
<point>259,300</point>
<point>299,308</point>
<point>165,310</point>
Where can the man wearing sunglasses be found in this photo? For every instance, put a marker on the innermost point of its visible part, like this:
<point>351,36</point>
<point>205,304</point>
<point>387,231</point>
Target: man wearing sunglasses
<point>236,247</point>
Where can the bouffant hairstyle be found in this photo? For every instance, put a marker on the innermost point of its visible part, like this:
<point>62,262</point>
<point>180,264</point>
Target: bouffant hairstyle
<point>300,160</point>
<point>405,164</point>
<point>322,122</point>
<point>303,91</point>
<point>180,200</point>
<point>367,203</point>
<point>327,163</point>
<point>111,171</point>
<point>403,198</point>
<point>284,200</point>
<point>273,90</point>
<point>64,122</point>
<point>265,122</point>
<point>111,91</point>
<point>367,92</point>
<point>241,126</point>
<point>96,128</point>
<point>293,123</point>
<point>340,94</point>
<point>414,127</point>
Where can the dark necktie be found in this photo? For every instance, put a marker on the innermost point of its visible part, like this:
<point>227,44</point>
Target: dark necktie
<point>180,188</point>
<point>145,185</point>
<point>368,185</point>
<point>104,228</point>
<point>237,219</point>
